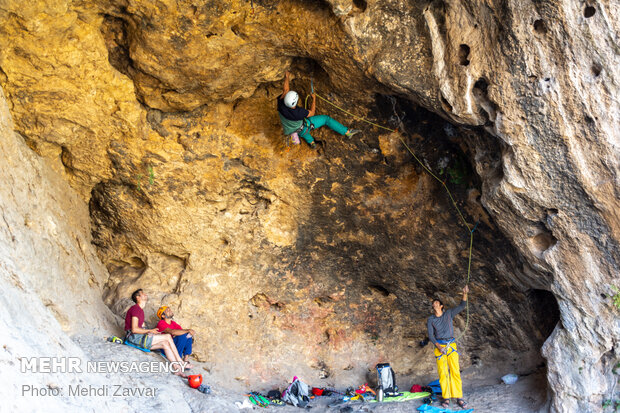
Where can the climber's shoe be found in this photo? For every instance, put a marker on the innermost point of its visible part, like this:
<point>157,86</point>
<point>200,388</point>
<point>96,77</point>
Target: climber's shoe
<point>352,132</point>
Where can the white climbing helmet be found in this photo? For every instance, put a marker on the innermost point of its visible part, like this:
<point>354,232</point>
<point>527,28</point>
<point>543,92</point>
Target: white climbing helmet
<point>290,99</point>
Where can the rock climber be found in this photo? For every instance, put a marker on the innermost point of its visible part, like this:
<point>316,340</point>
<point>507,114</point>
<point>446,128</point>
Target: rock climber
<point>149,339</point>
<point>441,334</point>
<point>298,122</point>
<point>183,338</point>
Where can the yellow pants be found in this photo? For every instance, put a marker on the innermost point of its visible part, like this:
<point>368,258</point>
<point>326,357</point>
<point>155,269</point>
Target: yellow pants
<point>449,373</point>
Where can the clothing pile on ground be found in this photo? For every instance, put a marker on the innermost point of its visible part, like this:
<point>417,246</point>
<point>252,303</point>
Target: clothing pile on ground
<point>301,395</point>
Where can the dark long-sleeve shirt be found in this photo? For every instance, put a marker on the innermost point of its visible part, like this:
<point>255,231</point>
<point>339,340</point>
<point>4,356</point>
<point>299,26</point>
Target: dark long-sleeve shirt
<point>441,328</point>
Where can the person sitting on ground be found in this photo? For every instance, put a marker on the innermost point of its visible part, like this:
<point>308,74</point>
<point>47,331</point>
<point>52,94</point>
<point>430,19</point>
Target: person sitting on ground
<point>299,122</point>
<point>148,339</point>
<point>441,334</point>
<point>183,338</point>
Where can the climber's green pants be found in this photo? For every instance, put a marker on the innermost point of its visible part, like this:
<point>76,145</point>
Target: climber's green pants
<point>319,121</point>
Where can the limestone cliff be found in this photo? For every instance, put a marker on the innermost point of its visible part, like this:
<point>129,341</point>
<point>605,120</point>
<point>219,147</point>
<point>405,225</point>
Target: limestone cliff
<point>161,115</point>
<point>52,280</point>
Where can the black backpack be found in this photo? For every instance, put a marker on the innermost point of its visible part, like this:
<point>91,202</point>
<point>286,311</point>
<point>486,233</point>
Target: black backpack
<point>386,380</point>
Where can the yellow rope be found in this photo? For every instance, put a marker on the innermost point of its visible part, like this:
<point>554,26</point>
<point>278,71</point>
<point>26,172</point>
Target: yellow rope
<point>471,231</point>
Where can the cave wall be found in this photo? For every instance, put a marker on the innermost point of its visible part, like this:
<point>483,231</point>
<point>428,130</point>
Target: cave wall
<point>52,279</point>
<point>160,114</point>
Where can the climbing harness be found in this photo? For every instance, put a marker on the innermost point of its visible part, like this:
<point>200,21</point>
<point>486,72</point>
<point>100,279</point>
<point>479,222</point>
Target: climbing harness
<point>448,346</point>
<point>427,169</point>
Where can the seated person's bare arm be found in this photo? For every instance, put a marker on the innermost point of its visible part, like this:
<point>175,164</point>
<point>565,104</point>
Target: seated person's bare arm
<point>139,330</point>
<point>175,332</point>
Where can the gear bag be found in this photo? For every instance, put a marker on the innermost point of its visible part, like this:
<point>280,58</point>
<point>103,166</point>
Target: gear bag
<point>297,393</point>
<point>386,380</point>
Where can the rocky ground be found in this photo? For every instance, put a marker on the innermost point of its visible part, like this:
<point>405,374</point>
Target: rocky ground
<point>172,394</point>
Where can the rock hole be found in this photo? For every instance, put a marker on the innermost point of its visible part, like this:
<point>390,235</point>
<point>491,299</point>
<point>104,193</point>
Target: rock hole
<point>552,213</point>
<point>589,119</point>
<point>482,84</point>
<point>67,159</point>
<point>238,32</point>
<point>114,31</point>
<point>475,360</point>
<point>596,69</point>
<point>487,108</point>
<point>540,26</point>
<point>545,309</point>
<point>541,242</point>
<point>360,4</point>
<point>380,289</point>
<point>464,54</point>
<point>603,296</point>
<point>589,11</point>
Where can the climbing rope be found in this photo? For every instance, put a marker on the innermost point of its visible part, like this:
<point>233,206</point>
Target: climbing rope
<point>443,183</point>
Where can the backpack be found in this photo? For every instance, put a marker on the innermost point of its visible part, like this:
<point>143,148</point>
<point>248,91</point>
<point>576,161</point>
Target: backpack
<point>386,379</point>
<point>296,393</point>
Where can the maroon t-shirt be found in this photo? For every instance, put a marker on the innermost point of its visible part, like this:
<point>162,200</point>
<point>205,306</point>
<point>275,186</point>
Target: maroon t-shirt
<point>134,311</point>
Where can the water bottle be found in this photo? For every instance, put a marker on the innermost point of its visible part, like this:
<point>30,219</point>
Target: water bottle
<point>380,394</point>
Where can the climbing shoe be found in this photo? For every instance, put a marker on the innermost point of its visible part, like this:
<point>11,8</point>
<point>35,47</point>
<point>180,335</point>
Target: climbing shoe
<point>352,132</point>
<point>313,145</point>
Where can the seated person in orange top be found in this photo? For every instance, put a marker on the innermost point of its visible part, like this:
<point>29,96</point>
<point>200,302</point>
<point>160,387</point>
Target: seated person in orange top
<point>183,338</point>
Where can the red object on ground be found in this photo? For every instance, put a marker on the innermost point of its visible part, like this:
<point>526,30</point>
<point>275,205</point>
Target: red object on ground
<point>363,389</point>
<point>317,392</point>
<point>416,388</point>
<point>194,380</point>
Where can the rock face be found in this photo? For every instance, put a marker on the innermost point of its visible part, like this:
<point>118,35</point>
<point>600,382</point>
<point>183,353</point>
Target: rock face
<point>161,116</point>
<point>51,276</point>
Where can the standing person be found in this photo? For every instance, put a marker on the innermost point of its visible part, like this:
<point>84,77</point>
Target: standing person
<point>441,334</point>
<point>298,122</point>
<point>149,339</point>
<point>183,338</point>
